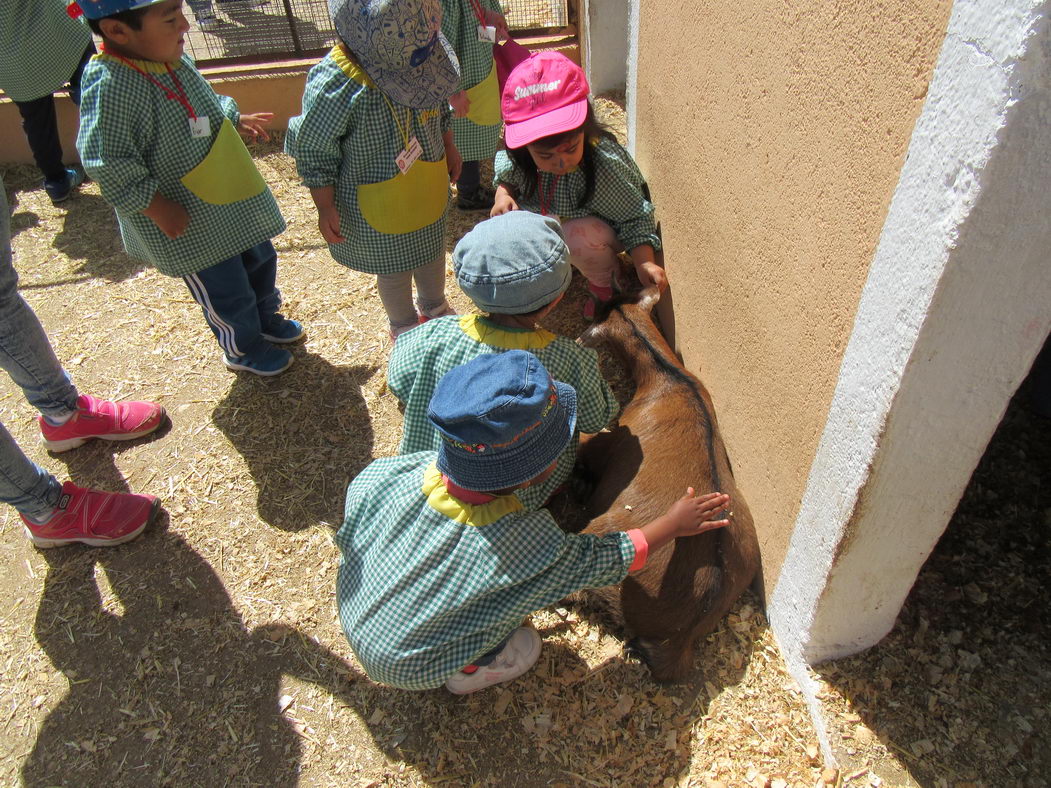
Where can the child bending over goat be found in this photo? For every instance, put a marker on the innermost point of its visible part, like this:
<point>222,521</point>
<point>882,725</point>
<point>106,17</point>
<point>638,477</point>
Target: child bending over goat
<point>441,562</point>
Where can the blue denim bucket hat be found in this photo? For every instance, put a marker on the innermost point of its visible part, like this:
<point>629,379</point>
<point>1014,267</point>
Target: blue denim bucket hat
<point>502,419</point>
<point>99,9</point>
<point>400,45</point>
<point>514,263</point>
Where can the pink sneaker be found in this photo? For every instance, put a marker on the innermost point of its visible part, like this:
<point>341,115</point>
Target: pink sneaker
<point>99,418</point>
<point>601,294</point>
<point>93,517</point>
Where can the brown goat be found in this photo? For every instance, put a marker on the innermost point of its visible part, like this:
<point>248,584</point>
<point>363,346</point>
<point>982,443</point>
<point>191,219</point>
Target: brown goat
<point>667,440</point>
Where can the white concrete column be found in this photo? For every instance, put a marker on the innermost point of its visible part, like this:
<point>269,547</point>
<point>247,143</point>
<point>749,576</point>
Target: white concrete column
<point>955,308</point>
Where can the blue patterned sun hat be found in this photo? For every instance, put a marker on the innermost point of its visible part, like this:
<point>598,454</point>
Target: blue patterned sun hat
<point>99,9</point>
<point>502,419</point>
<point>401,48</point>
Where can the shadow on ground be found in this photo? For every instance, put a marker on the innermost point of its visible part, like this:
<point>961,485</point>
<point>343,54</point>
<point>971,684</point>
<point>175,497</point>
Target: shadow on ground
<point>964,678</point>
<point>301,466</point>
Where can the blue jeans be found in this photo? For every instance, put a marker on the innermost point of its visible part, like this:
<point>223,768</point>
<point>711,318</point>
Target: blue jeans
<point>27,356</point>
<point>240,299</point>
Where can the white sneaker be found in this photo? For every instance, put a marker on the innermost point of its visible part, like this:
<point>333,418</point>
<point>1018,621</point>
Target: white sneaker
<point>518,656</point>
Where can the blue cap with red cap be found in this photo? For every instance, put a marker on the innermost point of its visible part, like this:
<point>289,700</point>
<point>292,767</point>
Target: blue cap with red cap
<point>100,9</point>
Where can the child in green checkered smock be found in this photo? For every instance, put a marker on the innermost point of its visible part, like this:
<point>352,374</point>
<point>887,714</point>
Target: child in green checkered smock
<point>473,27</point>
<point>441,561</point>
<point>515,268</point>
<point>374,146</point>
<point>560,162</point>
<point>189,200</point>
<point>43,49</point>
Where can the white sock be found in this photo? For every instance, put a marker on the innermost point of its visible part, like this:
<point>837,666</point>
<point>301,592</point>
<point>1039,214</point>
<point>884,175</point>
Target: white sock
<point>58,421</point>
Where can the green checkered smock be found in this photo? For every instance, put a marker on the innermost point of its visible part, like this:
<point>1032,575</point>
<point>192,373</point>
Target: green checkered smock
<point>428,583</point>
<point>421,358</point>
<point>347,137</point>
<point>475,141</point>
<point>619,197</point>
<point>135,142</point>
<point>40,47</point>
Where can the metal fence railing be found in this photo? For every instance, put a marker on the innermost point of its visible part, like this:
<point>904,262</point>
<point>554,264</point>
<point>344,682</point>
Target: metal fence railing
<point>231,31</point>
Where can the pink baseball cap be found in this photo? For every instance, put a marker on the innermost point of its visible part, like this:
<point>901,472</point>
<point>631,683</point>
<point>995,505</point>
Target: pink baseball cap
<point>545,94</point>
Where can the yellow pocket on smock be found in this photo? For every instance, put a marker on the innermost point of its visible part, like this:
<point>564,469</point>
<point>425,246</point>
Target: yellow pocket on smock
<point>227,174</point>
<point>408,202</point>
<point>485,101</point>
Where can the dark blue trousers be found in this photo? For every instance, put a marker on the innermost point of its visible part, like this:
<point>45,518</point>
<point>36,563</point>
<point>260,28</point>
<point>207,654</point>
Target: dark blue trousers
<point>239,297</point>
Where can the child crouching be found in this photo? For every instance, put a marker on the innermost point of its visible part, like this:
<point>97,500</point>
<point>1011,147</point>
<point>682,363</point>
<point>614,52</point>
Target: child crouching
<point>441,562</point>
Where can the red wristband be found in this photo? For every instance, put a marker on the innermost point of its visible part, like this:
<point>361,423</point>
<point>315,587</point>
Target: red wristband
<point>642,549</point>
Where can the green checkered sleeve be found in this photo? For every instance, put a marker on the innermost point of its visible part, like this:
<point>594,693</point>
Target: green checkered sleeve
<point>109,146</point>
<point>620,196</point>
<point>313,137</point>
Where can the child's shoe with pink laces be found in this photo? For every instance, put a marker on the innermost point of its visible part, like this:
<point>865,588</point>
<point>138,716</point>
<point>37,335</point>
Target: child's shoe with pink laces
<point>93,517</point>
<point>99,418</point>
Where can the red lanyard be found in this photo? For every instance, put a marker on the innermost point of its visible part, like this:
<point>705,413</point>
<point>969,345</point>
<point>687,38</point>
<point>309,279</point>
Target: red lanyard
<point>178,95</point>
<point>546,200</point>
<point>479,14</point>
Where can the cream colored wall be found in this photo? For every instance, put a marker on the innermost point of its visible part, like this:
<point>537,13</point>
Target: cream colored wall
<point>772,135</point>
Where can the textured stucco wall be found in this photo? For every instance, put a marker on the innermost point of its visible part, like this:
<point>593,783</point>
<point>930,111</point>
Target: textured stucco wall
<point>773,137</point>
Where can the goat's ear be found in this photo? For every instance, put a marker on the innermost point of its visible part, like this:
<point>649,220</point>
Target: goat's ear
<point>648,298</point>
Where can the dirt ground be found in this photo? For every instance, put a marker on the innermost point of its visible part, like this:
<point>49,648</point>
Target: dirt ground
<point>208,651</point>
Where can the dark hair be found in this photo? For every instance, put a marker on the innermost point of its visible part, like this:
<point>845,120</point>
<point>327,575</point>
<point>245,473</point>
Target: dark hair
<point>593,132</point>
<point>132,18</point>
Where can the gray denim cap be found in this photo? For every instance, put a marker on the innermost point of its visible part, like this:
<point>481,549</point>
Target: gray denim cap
<point>401,48</point>
<point>514,263</point>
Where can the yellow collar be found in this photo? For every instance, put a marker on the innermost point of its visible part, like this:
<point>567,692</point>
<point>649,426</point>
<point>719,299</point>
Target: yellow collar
<point>439,499</point>
<point>149,66</point>
<point>351,68</point>
<point>481,330</point>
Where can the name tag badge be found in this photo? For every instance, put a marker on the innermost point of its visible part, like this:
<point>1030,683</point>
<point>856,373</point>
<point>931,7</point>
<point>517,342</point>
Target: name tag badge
<point>199,127</point>
<point>487,33</point>
<point>408,157</point>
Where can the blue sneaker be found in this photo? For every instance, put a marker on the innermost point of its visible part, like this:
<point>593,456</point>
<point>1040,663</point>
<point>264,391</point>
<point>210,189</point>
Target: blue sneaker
<point>282,331</point>
<point>267,360</point>
<point>60,190</point>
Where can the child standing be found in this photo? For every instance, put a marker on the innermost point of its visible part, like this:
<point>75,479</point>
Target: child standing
<point>43,49</point>
<point>374,146</point>
<point>473,27</point>
<point>441,562</point>
<point>162,147</point>
<point>515,268</point>
<point>560,161</point>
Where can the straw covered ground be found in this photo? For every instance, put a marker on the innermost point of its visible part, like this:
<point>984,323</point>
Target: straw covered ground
<point>208,652</point>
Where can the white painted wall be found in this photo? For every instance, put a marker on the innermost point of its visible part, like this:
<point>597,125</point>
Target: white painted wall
<point>956,306</point>
<point>605,43</point>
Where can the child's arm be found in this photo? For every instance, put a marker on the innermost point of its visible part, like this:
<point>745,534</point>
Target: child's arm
<point>686,517</point>
<point>453,159</point>
<point>254,125</point>
<point>328,215</point>
<point>460,103</point>
<point>169,216</point>
<point>646,266</point>
<point>504,200</point>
